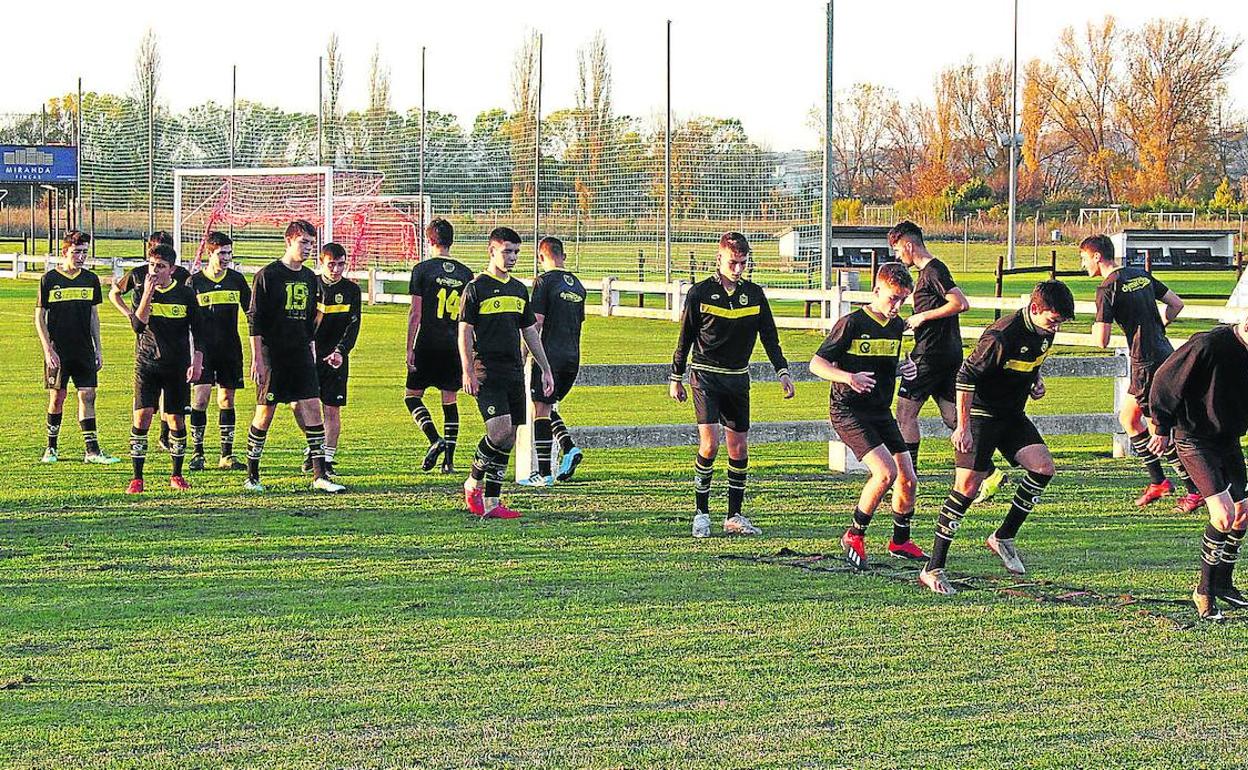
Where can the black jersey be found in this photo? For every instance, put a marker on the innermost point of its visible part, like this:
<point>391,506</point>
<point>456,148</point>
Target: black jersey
<point>865,342</point>
<point>721,327</point>
<point>164,341</point>
<point>1200,389</point>
<point>941,338</point>
<point>283,306</point>
<point>559,297</point>
<point>70,300</point>
<point>220,297</point>
<point>1129,296</point>
<point>439,282</point>
<point>1004,365</point>
<point>497,310</point>
<point>134,279</point>
<point>339,309</point>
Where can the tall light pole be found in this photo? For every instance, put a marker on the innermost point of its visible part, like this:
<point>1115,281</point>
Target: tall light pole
<point>1013,140</point>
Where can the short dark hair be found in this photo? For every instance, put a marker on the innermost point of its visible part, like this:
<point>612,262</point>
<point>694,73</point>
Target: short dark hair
<point>1099,245</point>
<point>905,229</point>
<point>216,240</point>
<point>735,242</point>
<point>300,227</point>
<point>74,238</point>
<point>159,238</point>
<point>896,275</point>
<point>440,233</point>
<point>551,245</point>
<point>1055,296</point>
<point>504,235</point>
<point>333,251</point>
<point>164,253</point>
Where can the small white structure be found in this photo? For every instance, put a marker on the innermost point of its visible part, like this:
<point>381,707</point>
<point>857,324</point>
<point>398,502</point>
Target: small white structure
<point>851,246</point>
<point>1176,249</point>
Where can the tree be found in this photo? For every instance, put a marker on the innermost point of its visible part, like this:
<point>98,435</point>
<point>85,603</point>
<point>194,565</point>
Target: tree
<point>332,108</point>
<point>522,127</point>
<point>594,122</point>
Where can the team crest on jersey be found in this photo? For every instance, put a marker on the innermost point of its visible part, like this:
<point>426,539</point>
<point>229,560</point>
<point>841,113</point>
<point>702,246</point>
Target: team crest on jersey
<point>1024,349</point>
<point>448,267</point>
<point>714,296</point>
<point>568,280</point>
<point>745,300</point>
<point>337,299</point>
<point>489,409</point>
<point>1044,346</point>
<point>269,397</point>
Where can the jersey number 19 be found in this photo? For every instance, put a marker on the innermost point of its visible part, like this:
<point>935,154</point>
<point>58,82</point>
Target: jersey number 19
<point>296,296</point>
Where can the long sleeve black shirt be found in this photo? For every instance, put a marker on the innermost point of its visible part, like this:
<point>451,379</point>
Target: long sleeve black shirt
<point>720,328</point>
<point>1202,388</point>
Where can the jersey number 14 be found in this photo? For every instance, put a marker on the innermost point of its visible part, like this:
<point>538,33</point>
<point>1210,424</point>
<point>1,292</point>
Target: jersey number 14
<point>448,304</point>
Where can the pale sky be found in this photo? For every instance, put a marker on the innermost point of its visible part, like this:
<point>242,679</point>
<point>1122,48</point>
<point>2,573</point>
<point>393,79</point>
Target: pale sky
<point>762,62</point>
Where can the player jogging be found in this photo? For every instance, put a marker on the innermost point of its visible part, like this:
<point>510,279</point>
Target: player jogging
<point>67,321</point>
<point>337,328</point>
<point>724,316</point>
<point>994,384</point>
<point>282,322</point>
<point>166,320</point>
<point>1201,394</point>
<point>1129,296</point>
<point>494,314</point>
<point>559,307</point>
<point>859,358</point>
<point>221,293</point>
<point>437,287</point>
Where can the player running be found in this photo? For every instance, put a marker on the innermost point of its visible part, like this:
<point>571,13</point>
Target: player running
<point>282,322</point>
<point>221,292</point>
<point>994,384</point>
<point>494,313</point>
<point>437,287</point>
<point>67,321</point>
<point>337,328</point>
<point>559,307</point>
<point>724,316</point>
<point>1199,394</point>
<point>859,358</point>
<point>1129,296</point>
<point>166,321</point>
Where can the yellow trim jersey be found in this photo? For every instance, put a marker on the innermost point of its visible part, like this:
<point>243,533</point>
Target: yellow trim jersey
<point>497,310</point>
<point>1004,365</point>
<point>439,282</point>
<point>719,327</point>
<point>865,342</point>
<point>338,311</point>
<point>220,298</point>
<point>69,299</point>
<point>164,341</point>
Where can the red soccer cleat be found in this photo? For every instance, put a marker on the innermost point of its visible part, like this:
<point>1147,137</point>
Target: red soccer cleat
<point>474,500</point>
<point>855,549</point>
<point>1154,492</point>
<point>501,512</point>
<point>179,483</point>
<point>135,487</point>
<point>1189,503</point>
<point>907,550</point>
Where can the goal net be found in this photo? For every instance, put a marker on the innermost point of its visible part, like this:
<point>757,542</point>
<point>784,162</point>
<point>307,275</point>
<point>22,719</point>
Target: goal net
<point>254,205</point>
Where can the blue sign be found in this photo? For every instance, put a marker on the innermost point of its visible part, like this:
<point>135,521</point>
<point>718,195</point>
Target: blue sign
<point>36,164</point>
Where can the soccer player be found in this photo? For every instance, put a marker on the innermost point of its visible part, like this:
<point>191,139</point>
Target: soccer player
<point>133,280</point>
<point>1199,394</point>
<point>859,358</point>
<point>437,287</point>
<point>559,307</point>
<point>282,322</point>
<point>166,320</point>
<point>68,324</point>
<point>994,384</point>
<point>724,316</point>
<point>494,314</point>
<point>937,353</point>
<point>1129,296</point>
<point>221,292</point>
<point>337,327</point>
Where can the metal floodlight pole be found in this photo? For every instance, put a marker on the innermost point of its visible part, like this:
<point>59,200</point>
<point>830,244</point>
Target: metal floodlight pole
<point>826,212</point>
<point>151,156</point>
<point>537,160</point>
<point>667,168</point>
<point>1010,243</point>
<point>421,178</point>
<point>78,160</point>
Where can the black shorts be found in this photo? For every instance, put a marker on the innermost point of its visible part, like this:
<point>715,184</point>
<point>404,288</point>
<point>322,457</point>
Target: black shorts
<point>863,431</point>
<point>440,369</point>
<point>1215,465</point>
<point>565,376</point>
<point>989,434</point>
<point>81,370</point>
<point>333,382</point>
<point>501,393</point>
<point>1141,382</point>
<point>721,399</point>
<point>151,383</point>
<point>292,377</point>
<point>935,378</point>
<point>223,367</point>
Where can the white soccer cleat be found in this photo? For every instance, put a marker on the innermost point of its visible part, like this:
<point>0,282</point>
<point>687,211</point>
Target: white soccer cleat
<point>702,525</point>
<point>253,485</point>
<point>49,456</point>
<point>537,480</point>
<point>99,458</point>
<point>936,582</point>
<point>326,485</point>
<point>1004,548</point>
<point>739,525</point>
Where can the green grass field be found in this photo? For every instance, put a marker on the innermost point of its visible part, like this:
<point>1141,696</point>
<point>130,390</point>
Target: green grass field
<point>386,628</point>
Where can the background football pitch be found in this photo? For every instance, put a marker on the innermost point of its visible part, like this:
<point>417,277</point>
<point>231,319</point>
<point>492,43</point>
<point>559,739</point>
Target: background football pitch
<point>386,628</point>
